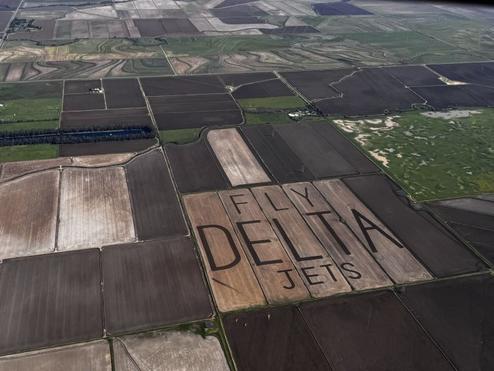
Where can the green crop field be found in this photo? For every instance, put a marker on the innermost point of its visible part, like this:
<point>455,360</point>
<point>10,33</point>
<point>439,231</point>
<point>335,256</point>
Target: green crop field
<point>432,158</point>
<point>180,136</point>
<point>272,103</point>
<point>24,113</point>
<point>28,152</point>
<point>206,46</point>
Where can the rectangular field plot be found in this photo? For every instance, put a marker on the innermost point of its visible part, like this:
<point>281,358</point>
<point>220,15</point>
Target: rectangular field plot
<point>317,84</point>
<point>94,356</point>
<point>232,280</point>
<point>235,157</point>
<point>123,93</point>
<point>275,153</point>
<point>100,148</point>
<point>18,168</point>
<point>60,301</point>
<point>83,102</point>
<point>320,157</point>
<point>431,243</point>
<point>195,111</point>
<point>237,79</point>
<point>94,208</point>
<point>319,272</point>
<point>276,273</point>
<point>273,339</point>
<point>28,214</point>
<point>105,119</point>
<point>182,85</point>
<point>152,284</point>
<point>339,8</point>
<point>356,264</point>
<point>473,73</point>
<point>195,168</point>
<point>263,89</point>
<point>415,75</point>
<point>392,340</point>
<point>457,315</point>
<point>169,350</point>
<point>449,96</point>
<point>162,27</point>
<point>371,91</point>
<point>472,219</point>
<point>345,148</point>
<point>157,210</point>
<point>380,242</point>
<point>80,86</point>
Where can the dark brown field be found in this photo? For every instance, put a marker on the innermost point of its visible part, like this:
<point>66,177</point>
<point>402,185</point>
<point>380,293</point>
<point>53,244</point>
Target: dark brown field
<point>157,211</point>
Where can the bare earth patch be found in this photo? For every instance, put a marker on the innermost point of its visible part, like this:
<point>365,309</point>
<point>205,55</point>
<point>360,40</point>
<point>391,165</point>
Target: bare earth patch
<point>94,209</point>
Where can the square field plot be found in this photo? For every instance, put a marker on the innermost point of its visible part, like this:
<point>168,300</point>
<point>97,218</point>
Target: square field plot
<point>273,339</point>
<point>153,284</point>
<point>93,356</point>
<point>123,93</point>
<point>372,332</point>
<point>49,300</point>
<point>169,351</point>
<point>457,314</point>
<point>194,167</point>
<point>28,214</point>
<point>94,208</point>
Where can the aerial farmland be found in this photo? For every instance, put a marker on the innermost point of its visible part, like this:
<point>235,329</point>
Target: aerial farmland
<point>246,185</point>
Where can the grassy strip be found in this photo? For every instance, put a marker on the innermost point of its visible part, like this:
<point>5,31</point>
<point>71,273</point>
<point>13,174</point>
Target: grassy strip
<point>266,118</point>
<point>28,152</point>
<point>30,125</point>
<point>180,136</point>
<point>432,158</point>
<point>290,102</point>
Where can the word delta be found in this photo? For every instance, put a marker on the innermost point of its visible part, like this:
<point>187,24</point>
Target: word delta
<point>279,244</point>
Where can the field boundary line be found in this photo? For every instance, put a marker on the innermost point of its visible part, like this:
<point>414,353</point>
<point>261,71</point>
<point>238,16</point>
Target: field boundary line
<point>168,61</point>
<point>149,109</point>
<point>292,88</point>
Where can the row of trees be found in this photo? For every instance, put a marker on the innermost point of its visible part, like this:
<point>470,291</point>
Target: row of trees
<point>64,136</point>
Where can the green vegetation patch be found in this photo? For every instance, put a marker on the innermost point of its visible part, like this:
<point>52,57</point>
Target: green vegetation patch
<point>275,118</point>
<point>29,110</point>
<point>28,152</point>
<point>212,46</point>
<point>290,102</point>
<point>30,106</point>
<point>180,136</point>
<point>431,157</point>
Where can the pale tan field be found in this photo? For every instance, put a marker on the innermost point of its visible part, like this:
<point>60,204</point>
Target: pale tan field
<point>94,209</point>
<point>169,351</point>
